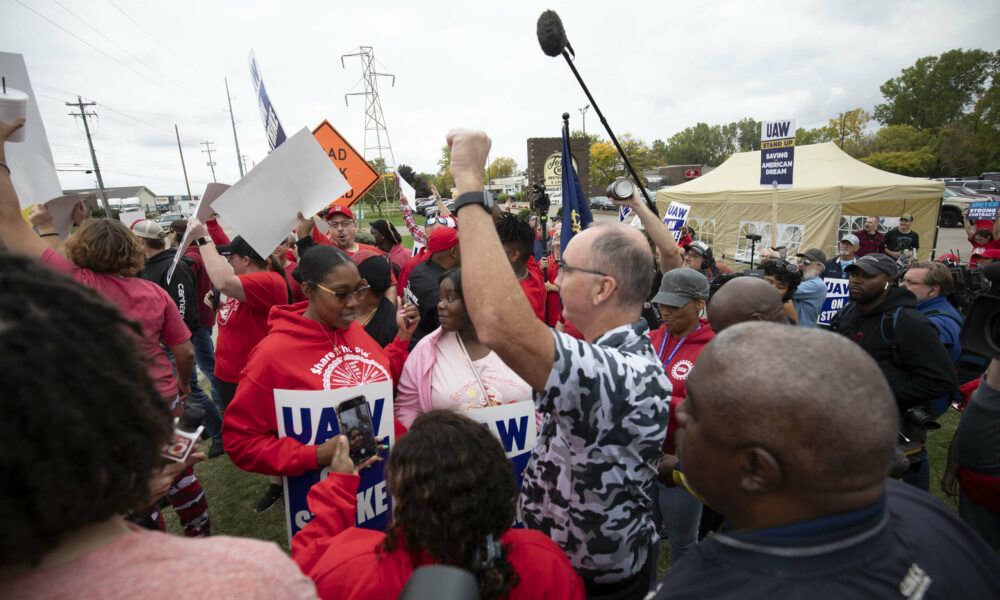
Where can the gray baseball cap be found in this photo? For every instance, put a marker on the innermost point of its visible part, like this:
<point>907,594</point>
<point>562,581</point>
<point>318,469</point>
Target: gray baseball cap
<point>680,286</point>
<point>851,239</point>
<point>873,264</point>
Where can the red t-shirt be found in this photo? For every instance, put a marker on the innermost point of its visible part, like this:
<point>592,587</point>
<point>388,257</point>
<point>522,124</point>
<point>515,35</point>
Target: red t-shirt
<point>206,318</point>
<point>298,353</point>
<point>534,288</point>
<point>142,301</point>
<point>977,250</point>
<point>297,295</point>
<point>243,324</point>
<point>552,298</point>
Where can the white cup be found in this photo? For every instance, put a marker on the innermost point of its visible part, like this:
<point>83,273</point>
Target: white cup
<point>13,106</point>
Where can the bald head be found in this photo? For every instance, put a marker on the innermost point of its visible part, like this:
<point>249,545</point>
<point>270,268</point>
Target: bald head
<point>815,401</point>
<point>622,252</point>
<point>745,299</point>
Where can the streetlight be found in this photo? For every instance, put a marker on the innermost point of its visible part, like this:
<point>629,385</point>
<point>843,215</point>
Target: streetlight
<point>583,111</point>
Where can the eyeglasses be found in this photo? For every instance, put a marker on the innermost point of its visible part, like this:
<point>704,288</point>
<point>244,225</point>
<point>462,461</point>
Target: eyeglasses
<point>341,224</point>
<point>344,294</point>
<point>908,282</point>
<point>805,262</point>
<point>436,220</point>
<point>564,266</point>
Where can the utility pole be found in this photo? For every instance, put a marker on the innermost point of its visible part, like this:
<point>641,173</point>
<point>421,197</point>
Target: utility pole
<point>208,148</point>
<point>246,159</point>
<point>233,121</point>
<point>181,152</point>
<point>583,111</point>
<point>93,156</point>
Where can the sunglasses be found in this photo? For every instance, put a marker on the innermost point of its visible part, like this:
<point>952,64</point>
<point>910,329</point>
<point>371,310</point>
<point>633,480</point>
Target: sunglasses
<point>438,220</point>
<point>805,262</point>
<point>344,294</point>
<point>563,266</point>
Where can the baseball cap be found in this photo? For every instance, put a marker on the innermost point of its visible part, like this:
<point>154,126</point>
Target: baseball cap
<point>873,264</point>
<point>698,246</point>
<point>337,209</point>
<point>441,239</point>
<point>239,247</point>
<point>814,254</point>
<point>851,239</point>
<point>151,230</point>
<point>680,286</point>
<point>907,216</point>
<point>991,253</point>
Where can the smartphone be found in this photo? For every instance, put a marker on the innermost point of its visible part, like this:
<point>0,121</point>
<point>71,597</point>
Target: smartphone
<point>355,420</point>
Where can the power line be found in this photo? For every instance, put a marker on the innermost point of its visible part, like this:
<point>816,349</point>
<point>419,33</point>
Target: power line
<point>83,115</point>
<point>140,74</point>
<point>208,148</point>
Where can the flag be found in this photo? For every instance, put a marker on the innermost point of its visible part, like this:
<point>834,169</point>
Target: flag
<point>576,211</point>
<point>623,212</point>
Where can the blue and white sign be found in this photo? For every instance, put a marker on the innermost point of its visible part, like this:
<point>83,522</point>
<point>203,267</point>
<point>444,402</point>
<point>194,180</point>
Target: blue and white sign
<point>676,215</point>
<point>983,211</point>
<point>623,211</point>
<point>275,134</point>
<point>310,416</point>
<point>515,426</point>
<point>777,153</point>
<point>837,295</point>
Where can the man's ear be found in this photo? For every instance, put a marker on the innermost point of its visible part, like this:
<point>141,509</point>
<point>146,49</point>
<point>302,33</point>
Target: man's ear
<point>760,472</point>
<point>605,289</point>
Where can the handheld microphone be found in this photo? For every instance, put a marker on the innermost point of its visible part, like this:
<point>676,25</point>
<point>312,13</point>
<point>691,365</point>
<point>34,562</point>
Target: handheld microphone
<point>187,429</point>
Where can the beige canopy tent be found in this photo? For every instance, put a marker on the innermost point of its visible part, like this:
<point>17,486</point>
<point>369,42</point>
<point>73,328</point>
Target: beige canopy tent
<point>831,195</point>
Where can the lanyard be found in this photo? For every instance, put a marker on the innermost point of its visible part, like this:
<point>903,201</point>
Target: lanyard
<point>676,348</point>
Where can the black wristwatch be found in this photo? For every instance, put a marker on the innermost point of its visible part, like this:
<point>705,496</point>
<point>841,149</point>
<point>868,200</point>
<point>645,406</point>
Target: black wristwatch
<point>482,198</point>
<point>202,241</point>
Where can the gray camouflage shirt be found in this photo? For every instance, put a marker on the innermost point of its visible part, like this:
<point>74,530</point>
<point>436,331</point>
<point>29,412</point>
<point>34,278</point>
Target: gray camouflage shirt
<point>589,484</point>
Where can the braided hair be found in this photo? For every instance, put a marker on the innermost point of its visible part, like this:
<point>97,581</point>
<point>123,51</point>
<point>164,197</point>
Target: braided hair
<point>85,380</point>
<point>455,492</point>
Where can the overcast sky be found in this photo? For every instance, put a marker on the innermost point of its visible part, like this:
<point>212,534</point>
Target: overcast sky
<point>653,67</point>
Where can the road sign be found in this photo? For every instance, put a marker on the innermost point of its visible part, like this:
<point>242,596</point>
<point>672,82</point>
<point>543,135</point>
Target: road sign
<point>691,173</point>
<point>352,165</point>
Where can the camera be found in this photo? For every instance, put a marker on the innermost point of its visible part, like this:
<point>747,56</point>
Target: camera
<point>540,202</point>
<point>981,330</point>
<point>753,237</point>
<point>920,418</point>
<point>621,189</point>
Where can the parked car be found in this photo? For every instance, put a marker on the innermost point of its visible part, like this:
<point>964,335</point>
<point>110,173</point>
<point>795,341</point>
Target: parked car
<point>602,203</point>
<point>989,187</point>
<point>421,205</point>
<point>953,203</point>
<point>167,218</point>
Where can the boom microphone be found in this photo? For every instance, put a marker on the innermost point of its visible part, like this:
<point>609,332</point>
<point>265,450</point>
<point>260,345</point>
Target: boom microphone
<point>552,39</point>
<point>551,34</point>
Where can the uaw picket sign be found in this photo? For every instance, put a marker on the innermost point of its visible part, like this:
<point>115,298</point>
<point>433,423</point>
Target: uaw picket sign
<point>676,215</point>
<point>514,425</point>
<point>777,153</point>
<point>838,293</point>
<point>310,416</point>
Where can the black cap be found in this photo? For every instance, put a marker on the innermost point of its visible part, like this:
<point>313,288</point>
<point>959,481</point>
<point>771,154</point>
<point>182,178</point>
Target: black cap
<point>239,247</point>
<point>814,254</point>
<point>873,264</point>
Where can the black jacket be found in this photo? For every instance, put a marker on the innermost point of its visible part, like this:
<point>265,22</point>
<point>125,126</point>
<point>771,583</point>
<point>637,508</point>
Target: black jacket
<point>922,372</point>
<point>422,289</point>
<point>183,288</point>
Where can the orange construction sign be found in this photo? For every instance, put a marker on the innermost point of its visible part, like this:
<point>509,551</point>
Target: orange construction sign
<point>352,165</point>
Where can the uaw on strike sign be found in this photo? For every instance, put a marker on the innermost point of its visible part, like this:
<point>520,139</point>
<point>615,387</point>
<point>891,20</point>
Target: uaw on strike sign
<point>310,416</point>
<point>352,165</point>
<point>777,153</point>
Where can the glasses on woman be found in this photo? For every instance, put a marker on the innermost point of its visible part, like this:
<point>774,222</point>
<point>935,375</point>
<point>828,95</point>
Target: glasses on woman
<point>344,294</point>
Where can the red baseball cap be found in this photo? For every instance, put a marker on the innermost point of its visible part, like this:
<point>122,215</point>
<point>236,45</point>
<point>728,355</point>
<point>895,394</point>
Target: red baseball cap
<point>337,209</point>
<point>441,239</point>
<point>991,253</point>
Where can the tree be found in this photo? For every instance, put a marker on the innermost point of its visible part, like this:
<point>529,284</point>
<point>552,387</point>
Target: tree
<point>502,166</point>
<point>936,90</point>
<point>818,135</point>
<point>420,185</point>
<point>444,181</point>
<point>699,145</point>
<point>916,163</point>
<point>849,127</point>
<point>900,138</point>
<point>744,134</point>
<point>385,190</point>
<point>606,164</point>
<point>593,138</point>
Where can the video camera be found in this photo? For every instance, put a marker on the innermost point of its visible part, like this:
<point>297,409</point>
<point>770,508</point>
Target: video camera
<point>540,201</point>
<point>720,280</point>
<point>981,330</point>
<point>969,284</point>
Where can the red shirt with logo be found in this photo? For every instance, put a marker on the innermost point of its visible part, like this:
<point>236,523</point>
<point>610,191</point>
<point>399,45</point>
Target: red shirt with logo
<point>678,356</point>
<point>297,354</point>
<point>243,324</point>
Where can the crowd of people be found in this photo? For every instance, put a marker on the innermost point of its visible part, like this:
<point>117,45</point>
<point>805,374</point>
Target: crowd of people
<point>673,399</point>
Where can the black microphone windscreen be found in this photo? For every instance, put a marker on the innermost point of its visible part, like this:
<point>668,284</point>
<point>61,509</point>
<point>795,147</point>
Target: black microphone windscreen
<point>551,35</point>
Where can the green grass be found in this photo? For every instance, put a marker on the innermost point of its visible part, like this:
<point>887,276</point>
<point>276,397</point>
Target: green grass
<point>232,494</point>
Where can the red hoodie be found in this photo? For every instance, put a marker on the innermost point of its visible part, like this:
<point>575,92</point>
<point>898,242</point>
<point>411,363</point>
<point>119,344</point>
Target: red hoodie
<point>534,288</point>
<point>345,561</point>
<point>297,354</point>
<point>678,366</point>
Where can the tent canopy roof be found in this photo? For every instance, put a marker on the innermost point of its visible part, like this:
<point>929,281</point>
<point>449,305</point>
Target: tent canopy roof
<point>820,169</point>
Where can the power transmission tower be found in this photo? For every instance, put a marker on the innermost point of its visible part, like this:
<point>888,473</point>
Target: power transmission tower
<point>374,119</point>
<point>208,148</point>
<point>83,114</point>
<point>231,119</point>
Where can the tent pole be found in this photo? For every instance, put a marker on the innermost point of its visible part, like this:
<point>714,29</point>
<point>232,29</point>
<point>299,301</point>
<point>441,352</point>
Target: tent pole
<point>774,216</point>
